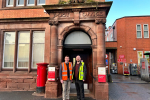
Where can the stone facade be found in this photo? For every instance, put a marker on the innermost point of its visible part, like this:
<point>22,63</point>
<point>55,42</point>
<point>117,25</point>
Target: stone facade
<point>57,23</point>
<point>78,17</point>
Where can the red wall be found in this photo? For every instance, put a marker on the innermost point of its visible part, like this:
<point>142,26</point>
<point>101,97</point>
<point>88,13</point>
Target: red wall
<point>126,37</point>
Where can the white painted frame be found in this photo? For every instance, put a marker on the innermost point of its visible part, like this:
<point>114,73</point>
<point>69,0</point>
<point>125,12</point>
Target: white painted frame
<point>138,30</point>
<point>17,3</point>
<point>30,4</point>
<point>146,30</point>
<point>9,5</point>
<point>39,3</point>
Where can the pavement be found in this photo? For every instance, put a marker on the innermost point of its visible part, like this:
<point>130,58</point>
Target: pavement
<point>27,95</point>
<point>122,88</point>
<point>128,88</point>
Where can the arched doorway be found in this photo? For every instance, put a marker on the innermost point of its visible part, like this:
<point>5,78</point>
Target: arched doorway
<point>79,43</point>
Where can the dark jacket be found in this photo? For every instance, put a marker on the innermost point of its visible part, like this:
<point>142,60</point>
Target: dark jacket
<point>84,70</point>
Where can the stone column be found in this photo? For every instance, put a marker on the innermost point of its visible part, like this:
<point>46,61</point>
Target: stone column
<point>53,89</point>
<point>53,43</point>
<point>101,89</point>
<point>101,51</point>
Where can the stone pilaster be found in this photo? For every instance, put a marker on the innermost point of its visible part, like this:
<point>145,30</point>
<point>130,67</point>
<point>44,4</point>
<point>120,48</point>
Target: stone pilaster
<point>100,41</point>
<point>53,89</point>
<point>101,89</point>
<point>54,42</point>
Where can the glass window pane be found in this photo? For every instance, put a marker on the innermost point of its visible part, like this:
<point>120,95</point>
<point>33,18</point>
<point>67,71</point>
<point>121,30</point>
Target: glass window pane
<point>138,27</point>
<point>41,1</point>
<point>10,2</point>
<point>20,2</point>
<point>24,37</point>
<point>145,27</point>
<point>138,34</point>
<point>39,37</point>
<point>30,1</point>
<point>9,55</point>
<point>23,55</point>
<point>9,37</point>
<point>38,54</point>
<point>23,49</point>
<point>9,46</point>
<point>145,33</point>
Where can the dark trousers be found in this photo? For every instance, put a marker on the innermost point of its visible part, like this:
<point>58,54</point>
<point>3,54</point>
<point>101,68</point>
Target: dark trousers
<point>80,89</point>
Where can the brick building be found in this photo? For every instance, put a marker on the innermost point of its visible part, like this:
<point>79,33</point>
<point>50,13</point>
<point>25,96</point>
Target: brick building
<point>33,31</point>
<point>128,36</point>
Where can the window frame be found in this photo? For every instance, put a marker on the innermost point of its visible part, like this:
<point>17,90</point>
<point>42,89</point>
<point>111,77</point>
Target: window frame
<point>30,4</point>
<point>32,49</point>
<point>9,5</point>
<point>18,50</point>
<point>17,3</point>
<point>29,67</point>
<point>138,30</point>
<point>39,3</point>
<point>146,30</point>
<point>4,50</point>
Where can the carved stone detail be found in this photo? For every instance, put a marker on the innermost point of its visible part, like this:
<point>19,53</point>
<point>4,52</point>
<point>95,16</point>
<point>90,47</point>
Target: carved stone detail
<point>53,22</point>
<point>100,20</point>
<point>76,22</point>
<point>92,14</point>
<point>61,15</point>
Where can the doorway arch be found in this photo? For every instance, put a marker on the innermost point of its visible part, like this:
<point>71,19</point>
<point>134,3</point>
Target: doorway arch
<point>78,42</point>
<point>67,30</point>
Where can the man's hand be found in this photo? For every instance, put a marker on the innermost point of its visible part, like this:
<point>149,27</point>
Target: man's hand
<point>61,81</point>
<point>83,80</point>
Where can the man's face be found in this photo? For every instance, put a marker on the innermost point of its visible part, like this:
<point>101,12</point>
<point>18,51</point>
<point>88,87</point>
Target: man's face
<point>67,59</point>
<point>78,58</point>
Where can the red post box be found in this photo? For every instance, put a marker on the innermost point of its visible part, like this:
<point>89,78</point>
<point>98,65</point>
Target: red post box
<point>41,77</point>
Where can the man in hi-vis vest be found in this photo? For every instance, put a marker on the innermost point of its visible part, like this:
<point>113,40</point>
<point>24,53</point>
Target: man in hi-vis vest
<point>65,74</point>
<point>79,75</point>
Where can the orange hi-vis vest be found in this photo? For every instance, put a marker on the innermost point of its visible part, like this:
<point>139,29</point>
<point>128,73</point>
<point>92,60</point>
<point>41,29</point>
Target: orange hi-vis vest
<point>64,71</point>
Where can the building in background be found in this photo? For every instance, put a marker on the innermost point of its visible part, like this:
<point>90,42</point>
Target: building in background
<point>33,31</point>
<point>129,38</point>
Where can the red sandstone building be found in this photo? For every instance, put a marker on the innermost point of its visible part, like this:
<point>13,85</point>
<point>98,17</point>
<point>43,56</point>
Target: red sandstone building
<point>128,36</point>
<point>31,33</point>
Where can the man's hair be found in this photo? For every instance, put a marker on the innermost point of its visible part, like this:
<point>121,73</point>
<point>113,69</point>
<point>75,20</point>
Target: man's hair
<point>66,56</point>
